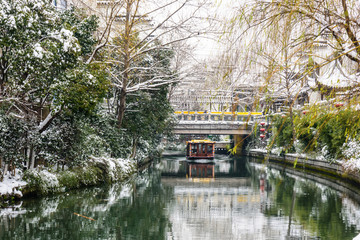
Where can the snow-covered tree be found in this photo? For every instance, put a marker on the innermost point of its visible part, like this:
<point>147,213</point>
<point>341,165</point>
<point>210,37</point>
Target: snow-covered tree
<point>130,30</point>
<point>43,68</point>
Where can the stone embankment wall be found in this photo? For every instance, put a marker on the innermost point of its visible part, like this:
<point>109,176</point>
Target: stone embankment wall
<point>333,169</point>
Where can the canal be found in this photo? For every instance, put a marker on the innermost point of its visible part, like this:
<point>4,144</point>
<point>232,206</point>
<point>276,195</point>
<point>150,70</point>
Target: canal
<point>175,199</point>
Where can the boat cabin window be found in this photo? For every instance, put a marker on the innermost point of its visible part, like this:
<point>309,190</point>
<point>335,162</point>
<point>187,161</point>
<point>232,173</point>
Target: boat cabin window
<point>200,149</point>
<point>193,148</point>
<point>209,148</point>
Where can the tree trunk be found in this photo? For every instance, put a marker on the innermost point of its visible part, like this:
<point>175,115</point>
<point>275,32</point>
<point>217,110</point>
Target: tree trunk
<point>28,156</point>
<point>126,55</point>
<point>12,167</point>
<point>48,120</point>
<point>6,167</point>
<point>32,157</point>
<point>291,211</point>
<point>121,107</point>
<point>1,173</point>
<point>133,151</point>
<point>3,75</point>
<point>292,124</point>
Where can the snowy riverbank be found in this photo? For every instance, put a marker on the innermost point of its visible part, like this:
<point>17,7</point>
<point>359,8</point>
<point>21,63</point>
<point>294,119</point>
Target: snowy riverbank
<point>311,162</point>
<point>47,181</point>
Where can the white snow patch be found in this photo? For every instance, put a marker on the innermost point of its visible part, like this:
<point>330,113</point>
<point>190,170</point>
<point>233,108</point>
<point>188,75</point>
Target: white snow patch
<point>115,166</point>
<point>12,212</point>
<point>38,51</point>
<point>352,155</point>
<point>277,150</point>
<point>50,178</point>
<point>10,184</point>
<point>12,21</point>
<point>66,37</point>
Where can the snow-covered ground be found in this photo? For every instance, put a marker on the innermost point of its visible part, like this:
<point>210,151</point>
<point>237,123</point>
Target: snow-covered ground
<point>351,152</point>
<point>50,180</point>
<point>11,184</point>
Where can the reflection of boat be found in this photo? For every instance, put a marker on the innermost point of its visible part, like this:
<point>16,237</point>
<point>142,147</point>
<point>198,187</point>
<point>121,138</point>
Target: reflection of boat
<point>200,170</point>
<point>200,149</point>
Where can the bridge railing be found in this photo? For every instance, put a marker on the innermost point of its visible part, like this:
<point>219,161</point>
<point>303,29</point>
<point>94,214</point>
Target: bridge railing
<point>217,116</point>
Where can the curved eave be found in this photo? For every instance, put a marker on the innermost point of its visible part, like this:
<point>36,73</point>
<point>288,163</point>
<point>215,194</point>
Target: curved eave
<point>337,88</point>
<point>348,81</point>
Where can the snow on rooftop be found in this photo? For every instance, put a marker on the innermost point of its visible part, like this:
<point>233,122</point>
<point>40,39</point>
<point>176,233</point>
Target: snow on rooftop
<point>338,77</point>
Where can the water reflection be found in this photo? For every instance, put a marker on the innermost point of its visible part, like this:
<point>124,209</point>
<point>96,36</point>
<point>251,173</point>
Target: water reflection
<point>176,199</point>
<point>200,170</point>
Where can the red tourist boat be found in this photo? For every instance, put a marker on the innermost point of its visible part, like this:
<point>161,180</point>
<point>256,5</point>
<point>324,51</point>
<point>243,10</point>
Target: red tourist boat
<point>200,149</point>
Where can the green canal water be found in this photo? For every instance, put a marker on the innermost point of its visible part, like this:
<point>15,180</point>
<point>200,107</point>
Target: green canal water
<point>176,199</point>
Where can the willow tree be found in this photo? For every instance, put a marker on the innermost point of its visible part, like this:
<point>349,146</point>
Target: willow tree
<point>337,18</point>
<point>285,37</point>
<point>286,77</point>
<point>334,23</point>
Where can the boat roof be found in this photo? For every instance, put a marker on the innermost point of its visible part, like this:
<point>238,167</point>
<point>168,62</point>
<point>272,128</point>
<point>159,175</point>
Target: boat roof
<point>201,141</point>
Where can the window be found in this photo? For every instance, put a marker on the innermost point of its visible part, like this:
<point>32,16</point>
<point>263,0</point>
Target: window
<point>60,4</point>
<point>209,148</point>
<point>194,148</point>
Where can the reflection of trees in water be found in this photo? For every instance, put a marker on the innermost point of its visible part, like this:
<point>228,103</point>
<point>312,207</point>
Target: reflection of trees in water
<point>130,211</point>
<point>146,216</point>
<point>316,209</point>
<point>224,167</point>
<point>146,208</point>
<point>171,166</point>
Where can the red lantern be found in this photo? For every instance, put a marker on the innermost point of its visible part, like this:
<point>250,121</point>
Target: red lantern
<point>262,129</point>
<point>262,136</point>
<point>304,112</point>
<point>262,124</point>
<point>339,105</point>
